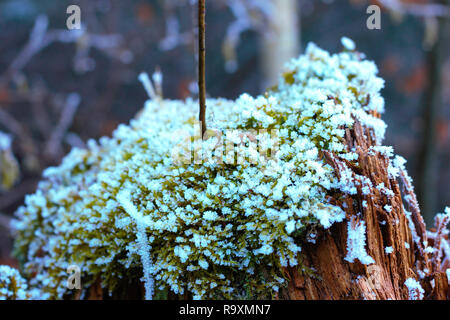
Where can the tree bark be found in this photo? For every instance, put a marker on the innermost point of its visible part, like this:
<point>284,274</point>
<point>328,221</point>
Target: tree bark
<point>334,278</point>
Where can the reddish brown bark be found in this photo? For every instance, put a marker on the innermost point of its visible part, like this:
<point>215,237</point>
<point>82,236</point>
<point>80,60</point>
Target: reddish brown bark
<point>334,278</point>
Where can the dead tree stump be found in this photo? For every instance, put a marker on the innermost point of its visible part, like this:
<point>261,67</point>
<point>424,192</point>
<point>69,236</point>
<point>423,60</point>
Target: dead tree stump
<point>334,278</point>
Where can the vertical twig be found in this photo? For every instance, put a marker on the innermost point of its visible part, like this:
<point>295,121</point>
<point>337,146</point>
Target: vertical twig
<point>201,64</point>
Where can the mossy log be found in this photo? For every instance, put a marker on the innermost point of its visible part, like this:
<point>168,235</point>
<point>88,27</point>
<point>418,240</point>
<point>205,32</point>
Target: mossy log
<point>332,216</point>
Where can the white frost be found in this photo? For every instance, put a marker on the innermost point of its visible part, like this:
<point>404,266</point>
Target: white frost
<point>348,43</point>
<point>356,242</point>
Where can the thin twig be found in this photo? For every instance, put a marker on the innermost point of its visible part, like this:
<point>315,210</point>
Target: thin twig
<point>33,46</point>
<point>201,64</point>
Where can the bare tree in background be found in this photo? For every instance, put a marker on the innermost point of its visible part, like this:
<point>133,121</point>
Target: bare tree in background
<point>282,41</point>
<point>436,17</point>
<point>431,111</point>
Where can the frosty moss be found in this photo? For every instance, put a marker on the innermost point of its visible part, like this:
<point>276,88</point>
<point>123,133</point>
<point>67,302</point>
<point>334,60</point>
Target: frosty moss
<point>126,208</point>
<point>13,286</point>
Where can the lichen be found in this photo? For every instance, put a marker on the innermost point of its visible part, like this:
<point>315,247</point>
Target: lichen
<point>221,225</point>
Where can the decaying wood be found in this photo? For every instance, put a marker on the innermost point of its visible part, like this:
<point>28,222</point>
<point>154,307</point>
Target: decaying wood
<point>331,277</point>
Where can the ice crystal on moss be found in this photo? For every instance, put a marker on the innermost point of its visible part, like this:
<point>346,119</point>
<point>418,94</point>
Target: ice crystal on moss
<point>124,198</point>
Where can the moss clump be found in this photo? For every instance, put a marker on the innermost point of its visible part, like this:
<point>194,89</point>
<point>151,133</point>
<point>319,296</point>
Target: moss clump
<point>218,226</point>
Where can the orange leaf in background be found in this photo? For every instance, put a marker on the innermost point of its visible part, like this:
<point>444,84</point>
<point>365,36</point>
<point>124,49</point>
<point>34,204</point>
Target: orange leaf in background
<point>108,127</point>
<point>415,81</point>
<point>183,90</point>
<point>9,262</point>
<point>4,95</point>
<point>390,65</point>
<point>443,131</point>
<point>144,12</point>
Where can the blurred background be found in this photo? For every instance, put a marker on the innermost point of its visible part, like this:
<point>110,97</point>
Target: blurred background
<point>60,87</point>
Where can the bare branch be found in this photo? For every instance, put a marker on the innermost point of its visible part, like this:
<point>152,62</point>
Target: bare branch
<point>33,46</point>
<point>201,64</point>
<point>53,146</point>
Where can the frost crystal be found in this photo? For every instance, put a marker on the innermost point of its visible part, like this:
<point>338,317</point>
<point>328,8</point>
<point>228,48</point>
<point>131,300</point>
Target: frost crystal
<point>144,248</point>
<point>348,43</point>
<point>356,242</point>
<point>415,289</point>
<point>13,286</point>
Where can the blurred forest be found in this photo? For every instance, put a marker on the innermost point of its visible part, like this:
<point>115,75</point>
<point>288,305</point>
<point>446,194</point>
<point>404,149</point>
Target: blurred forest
<point>60,88</point>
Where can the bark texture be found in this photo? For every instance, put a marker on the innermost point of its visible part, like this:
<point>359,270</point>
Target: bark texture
<point>332,277</point>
